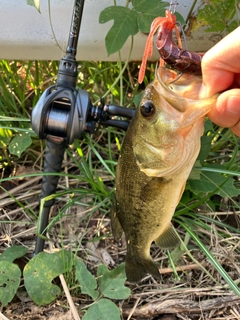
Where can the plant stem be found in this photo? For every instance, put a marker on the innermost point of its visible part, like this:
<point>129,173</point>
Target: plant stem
<point>190,11</point>
<point>127,3</point>
<point>121,78</point>
<point>120,74</point>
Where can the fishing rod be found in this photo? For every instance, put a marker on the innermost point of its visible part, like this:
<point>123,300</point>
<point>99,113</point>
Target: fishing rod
<point>62,114</point>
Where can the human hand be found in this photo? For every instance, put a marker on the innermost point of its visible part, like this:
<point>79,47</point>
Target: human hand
<point>221,72</point>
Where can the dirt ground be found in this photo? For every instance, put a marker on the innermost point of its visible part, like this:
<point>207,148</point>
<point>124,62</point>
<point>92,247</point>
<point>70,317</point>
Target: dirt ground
<point>193,295</point>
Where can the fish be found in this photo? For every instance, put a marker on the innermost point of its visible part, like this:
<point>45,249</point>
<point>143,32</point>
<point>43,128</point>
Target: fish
<point>158,152</point>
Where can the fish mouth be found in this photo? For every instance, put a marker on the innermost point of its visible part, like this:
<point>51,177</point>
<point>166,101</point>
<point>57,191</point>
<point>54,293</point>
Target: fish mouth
<point>161,152</point>
<point>176,90</point>
<point>157,147</point>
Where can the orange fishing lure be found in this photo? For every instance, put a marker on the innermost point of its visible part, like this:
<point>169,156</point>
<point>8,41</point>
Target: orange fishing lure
<point>173,54</point>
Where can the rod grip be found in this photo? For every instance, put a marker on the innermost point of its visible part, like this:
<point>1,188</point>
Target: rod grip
<point>53,162</point>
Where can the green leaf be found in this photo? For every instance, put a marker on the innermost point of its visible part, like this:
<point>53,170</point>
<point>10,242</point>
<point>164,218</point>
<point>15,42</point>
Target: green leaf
<point>180,18</point>
<point>146,5</point>
<point>216,15</point>
<point>104,309</point>
<point>137,98</point>
<point>34,3</point>
<point>214,182</point>
<point>87,281</point>
<point>149,10</point>
<point>125,25</point>
<point>12,253</point>
<point>208,126</point>
<point>111,283</point>
<point>40,272</point>
<point>205,148</point>
<point>146,18</point>
<point>20,143</point>
<point>10,276</point>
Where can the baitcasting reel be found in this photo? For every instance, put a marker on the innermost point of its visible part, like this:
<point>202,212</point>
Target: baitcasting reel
<point>64,113</point>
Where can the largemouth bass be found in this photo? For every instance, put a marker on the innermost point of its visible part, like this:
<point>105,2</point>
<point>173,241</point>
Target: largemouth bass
<point>157,155</point>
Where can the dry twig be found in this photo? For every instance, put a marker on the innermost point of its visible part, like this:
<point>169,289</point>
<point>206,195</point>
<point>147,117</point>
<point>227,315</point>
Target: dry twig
<point>183,268</point>
<point>182,306</point>
<point>67,293</point>
<point>2,317</point>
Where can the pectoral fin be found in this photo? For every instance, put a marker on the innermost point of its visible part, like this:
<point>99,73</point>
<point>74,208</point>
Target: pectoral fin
<point>169,239</point>
<point>117,229</point>
<point>153,188</point>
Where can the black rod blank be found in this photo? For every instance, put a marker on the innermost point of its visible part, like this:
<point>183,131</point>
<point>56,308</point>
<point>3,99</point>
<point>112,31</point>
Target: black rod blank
<point>75,27</point>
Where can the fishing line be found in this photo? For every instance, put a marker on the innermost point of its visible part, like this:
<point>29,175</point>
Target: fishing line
<point>64,41</point>
<point>51,26</point>
<point>183,34</point>
<point>174,5</point>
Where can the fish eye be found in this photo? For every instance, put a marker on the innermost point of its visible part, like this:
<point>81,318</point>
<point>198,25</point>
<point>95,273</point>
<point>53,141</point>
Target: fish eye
<point>147,109</point>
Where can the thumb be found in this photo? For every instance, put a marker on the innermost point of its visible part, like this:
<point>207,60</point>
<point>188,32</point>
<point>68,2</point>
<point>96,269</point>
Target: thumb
<point>226,112</point>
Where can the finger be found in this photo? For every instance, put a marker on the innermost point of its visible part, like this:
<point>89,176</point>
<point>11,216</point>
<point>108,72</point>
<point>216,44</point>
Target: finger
<point>220,64</point>
<point>236,129</point>
<point>226,112</point>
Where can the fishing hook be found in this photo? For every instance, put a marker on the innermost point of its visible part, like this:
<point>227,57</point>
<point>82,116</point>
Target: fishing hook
<point>174,80</point>
<point>183,34</point>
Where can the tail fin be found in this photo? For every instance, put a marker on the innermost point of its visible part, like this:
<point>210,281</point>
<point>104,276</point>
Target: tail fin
<point>137,269</point>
